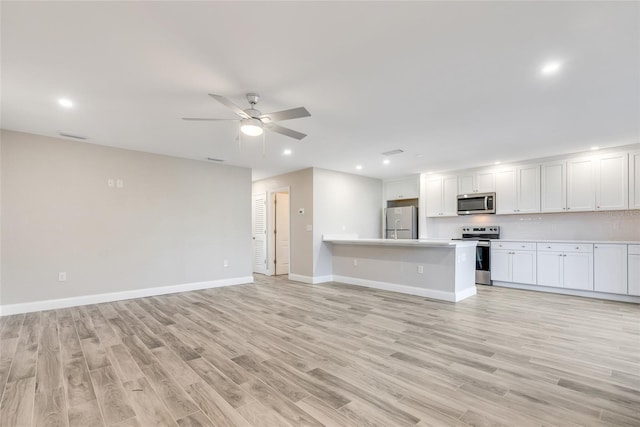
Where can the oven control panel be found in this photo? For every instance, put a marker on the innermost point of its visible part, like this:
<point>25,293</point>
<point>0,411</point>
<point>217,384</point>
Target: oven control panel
<point>487,229</point>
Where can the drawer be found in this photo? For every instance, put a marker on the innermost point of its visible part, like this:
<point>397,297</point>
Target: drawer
<point>634,250</point>
<point>513,246</point>
<point>565,247</point>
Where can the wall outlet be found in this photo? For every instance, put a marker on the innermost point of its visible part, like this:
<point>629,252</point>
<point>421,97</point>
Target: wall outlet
<point>120,183</point>
<point>355,262</point>
<point>225,263</point>
<point>420,269</point>
<point>62,276</point>
<point>110,183</point>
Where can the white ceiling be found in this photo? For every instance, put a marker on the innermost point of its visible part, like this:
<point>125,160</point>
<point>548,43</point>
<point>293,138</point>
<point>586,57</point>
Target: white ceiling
<point>453,84</point>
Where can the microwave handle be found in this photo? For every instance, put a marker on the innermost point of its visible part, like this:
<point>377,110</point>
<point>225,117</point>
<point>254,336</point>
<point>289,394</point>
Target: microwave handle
<point>486,203</point>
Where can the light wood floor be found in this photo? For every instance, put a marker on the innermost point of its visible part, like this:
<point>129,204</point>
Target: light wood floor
<point>281,353</point>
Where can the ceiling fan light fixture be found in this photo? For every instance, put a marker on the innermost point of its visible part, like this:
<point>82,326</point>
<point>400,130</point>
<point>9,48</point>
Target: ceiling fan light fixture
<point>251,127</point>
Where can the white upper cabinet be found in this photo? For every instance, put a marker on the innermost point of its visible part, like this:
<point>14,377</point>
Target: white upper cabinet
<point>553,191</point>
<point>611,182</point>
<point>477,182</point>
<point>581,194</point>
<point>518,190</point>
<point>402,188</point>
<point>506,191</point>
<point>528,189</point>
<point>634,180</point>
<point>441,194</point>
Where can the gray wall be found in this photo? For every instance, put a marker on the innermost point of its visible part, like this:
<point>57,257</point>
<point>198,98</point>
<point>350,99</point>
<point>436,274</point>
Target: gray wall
<point>343,203</point>
<point>300,185</point>
<point>174,222</point>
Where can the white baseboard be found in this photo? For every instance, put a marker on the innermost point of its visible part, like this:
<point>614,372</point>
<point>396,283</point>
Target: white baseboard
<point>427,293</point>
<point>301,278</point>
<point>312,280</point>
<point>469,292</point>
<point>573,292</point>
<point>54,304</point>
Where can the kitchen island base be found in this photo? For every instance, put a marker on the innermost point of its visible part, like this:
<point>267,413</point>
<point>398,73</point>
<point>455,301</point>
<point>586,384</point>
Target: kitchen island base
<point>439,270</point>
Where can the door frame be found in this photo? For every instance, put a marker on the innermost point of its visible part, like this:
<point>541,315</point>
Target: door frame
<point>271,217</point>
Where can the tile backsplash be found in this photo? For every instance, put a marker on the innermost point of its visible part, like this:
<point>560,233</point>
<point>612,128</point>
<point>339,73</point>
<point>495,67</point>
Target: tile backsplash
<point>608,225</point>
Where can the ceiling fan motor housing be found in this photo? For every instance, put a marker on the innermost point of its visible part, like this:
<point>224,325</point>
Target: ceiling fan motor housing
<point>253,112</point>
<point>253,98</point>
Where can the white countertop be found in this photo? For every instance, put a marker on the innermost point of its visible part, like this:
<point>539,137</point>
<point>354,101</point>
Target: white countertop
<point>603,242</point>
<point>427,243</point>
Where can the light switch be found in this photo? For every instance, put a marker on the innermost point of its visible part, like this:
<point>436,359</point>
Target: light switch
<point>110,183</point>
<point>119,183</point>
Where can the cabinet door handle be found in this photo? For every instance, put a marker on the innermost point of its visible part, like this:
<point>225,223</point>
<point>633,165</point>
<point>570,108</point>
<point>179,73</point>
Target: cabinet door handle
<point>577,247</point>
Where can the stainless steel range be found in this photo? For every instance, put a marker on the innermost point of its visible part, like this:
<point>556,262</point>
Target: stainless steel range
<point>483,234</point>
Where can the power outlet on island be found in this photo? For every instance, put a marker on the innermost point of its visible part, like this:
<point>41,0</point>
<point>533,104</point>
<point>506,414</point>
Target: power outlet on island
<point>225,263</point>
<point>420,269</point>
<point>355,262</point>
<point>62,276</point>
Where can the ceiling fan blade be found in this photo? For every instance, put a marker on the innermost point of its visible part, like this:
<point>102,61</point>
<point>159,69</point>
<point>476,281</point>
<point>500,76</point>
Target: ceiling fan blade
<point>239,111</point>
<point>294,113</point>
<point>209,120</point>
<point>285,131</point>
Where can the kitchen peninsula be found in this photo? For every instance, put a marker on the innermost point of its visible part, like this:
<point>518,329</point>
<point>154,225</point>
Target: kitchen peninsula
<point>438,269</point>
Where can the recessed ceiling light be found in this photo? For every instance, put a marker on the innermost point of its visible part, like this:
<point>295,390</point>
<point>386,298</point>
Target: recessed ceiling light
<point>287,152</point>
<point>419,155</point>
<point>359,167</point>
<point>595,148</point>
<point>386,161</point>
<point>65,102</point>
<point>496,163</point>
<point>551,67</point>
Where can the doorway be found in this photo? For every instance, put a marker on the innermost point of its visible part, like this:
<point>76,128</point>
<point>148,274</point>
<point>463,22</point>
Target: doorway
<point>281,232</point>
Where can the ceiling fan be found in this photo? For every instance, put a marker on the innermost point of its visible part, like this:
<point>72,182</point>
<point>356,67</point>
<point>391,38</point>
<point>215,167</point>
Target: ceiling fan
<point>253,122</point>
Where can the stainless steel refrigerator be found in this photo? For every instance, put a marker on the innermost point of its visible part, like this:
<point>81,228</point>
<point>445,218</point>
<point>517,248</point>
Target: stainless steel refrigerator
<point>401,223</point>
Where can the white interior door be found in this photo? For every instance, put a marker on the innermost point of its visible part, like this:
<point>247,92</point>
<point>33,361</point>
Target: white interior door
<point>281,233</point>
<point>259,222</point>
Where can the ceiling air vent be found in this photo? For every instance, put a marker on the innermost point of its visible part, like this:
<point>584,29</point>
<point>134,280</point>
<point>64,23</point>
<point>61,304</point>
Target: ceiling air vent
<point>392,152</point>
<point>69,135</point>
<point>215,160</point>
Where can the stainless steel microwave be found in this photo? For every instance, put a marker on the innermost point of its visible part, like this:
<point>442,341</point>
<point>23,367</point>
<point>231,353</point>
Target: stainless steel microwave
<point>477,203</point>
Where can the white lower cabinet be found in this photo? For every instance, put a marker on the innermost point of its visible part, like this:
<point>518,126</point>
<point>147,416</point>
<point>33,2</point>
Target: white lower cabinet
<point>633,268</point>
<point>513,262</point>
<point>610,268</point>
<point>564,265</point>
